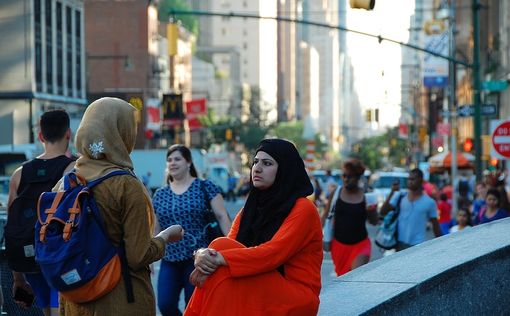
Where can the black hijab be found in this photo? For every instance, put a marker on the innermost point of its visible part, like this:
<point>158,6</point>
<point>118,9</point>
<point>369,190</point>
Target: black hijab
<point>265,210</point>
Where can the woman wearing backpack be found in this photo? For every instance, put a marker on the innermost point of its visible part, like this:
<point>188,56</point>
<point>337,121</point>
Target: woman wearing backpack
<point>350,246</point>
<point>104,139</point>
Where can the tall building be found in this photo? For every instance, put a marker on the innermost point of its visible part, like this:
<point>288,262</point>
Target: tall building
<point>309,87</point>
<point>42,62</point>
<point>325,41</point>
<point>287,51</point>
<point>253,42</point>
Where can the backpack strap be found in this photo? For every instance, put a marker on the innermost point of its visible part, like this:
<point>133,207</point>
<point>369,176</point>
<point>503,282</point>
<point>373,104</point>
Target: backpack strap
<point>125,270</point>
<point>122,246</point>
<point>50,211</point>
<point>109,175</point>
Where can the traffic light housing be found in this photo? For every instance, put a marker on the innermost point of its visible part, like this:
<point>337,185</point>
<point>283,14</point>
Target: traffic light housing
<point>368,115</point>
<point>468,145</point>
<point>362,4</point>
<point>228,134</point>
<point>172,34</point>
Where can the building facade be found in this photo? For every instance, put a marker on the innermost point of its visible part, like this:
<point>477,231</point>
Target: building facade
<point>43,64</point>
<point>121,38</point>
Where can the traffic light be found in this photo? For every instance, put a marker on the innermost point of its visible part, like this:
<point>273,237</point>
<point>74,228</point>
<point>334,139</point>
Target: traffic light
<point>468,145</point>
<point>368,115</point>
<point>228,134</point>
<point>362,4</point>
<point>172,34</point>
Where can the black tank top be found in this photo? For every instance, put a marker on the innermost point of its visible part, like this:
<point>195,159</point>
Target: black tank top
<point>40,175</point>
<point>350,221</point>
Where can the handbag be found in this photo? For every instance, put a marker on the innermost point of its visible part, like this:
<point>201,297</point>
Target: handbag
<point>327,230</point>
<point>212,226</point>
<point>387,233</point>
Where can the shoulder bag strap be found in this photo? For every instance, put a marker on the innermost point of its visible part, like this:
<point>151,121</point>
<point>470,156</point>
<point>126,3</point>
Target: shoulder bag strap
<point>399,200</point>
<point>125,270</point>
<point>334,199</point>
<point>207,201</point>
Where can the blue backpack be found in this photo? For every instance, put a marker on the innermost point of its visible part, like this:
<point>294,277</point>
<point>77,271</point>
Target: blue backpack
<point>386,236</point>
<point>72,249</point>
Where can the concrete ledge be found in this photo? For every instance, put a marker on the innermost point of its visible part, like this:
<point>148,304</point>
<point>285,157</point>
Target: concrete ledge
<point>466,273</point>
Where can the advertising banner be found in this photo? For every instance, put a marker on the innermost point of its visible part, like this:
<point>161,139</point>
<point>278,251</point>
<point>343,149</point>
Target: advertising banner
<point>435,69</point>
<point>194,109</point>
<point>172,107</point>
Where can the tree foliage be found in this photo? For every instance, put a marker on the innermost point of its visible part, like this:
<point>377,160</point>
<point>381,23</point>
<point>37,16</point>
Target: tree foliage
<point>382,151</point>
<point>190,22</point>
<point>293,131</point>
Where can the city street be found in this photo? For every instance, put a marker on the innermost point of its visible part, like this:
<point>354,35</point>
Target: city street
<point>327,264</point>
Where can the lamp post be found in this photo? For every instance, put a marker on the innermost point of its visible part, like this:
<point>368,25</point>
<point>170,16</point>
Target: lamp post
<point>453,114</point>
<point>475,7</point>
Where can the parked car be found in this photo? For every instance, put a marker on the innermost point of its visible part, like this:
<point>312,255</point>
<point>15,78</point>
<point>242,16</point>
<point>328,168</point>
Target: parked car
<point>381,183</point>
<point>323,177</point>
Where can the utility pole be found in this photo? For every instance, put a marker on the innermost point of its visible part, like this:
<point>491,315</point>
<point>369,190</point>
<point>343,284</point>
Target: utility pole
<point>476,90</point>
<point>453,109</point>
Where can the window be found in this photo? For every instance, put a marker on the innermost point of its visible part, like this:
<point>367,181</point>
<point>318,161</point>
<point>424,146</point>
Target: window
<point>245,45</point>
<point>69,50</point>
<point>223,31</point>
<point>77,46</point>
<point>38,45</point>
<point>60,59</point>
<point>49,48</point>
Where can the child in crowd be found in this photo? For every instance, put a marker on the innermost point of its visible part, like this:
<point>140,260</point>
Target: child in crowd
<point>445,209</point>
<point>463,220</point>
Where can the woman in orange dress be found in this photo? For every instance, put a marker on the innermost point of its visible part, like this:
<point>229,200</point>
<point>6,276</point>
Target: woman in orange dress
<point>270,262</point>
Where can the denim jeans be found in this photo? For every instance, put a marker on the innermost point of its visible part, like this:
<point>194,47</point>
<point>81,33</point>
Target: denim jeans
<point>173,278</point>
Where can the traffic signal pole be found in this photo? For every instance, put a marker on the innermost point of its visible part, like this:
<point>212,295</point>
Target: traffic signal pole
<point>379,38</point>
<point>474,65</point>
<point>453,108</point>
<point>476,90</point>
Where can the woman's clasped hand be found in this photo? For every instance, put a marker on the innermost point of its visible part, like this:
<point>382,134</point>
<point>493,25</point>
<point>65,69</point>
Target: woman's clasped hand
<point>207,260</point>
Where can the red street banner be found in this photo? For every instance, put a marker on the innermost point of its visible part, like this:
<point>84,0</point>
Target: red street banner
<point>403,131</point>
<point>443,129</point>
<point>194,109</point>
<point>153,114</point>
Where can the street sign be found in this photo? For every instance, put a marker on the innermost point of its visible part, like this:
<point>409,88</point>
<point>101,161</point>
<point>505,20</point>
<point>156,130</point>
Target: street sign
<point>501,139</point>
<point>496,85</point>
<point>485,110</point>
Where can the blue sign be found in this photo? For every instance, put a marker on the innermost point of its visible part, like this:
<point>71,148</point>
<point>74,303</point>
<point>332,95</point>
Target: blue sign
<point>469,110</point>
<point>435,82</point>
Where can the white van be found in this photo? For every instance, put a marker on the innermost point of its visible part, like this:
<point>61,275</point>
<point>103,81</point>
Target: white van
<point>381,183</point>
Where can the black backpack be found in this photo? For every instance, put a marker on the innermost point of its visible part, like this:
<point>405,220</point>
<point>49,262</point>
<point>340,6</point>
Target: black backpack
<point>37,176</point>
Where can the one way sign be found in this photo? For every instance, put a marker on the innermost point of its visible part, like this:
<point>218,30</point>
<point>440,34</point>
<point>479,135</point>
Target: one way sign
<point>485,110</point>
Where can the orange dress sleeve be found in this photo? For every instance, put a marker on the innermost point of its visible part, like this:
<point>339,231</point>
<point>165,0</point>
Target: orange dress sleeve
<point>296,231</point>
<point>235,225</point>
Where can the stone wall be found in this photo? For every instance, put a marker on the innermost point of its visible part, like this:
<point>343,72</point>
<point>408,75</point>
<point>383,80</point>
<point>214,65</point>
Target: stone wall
<point>466,273</point>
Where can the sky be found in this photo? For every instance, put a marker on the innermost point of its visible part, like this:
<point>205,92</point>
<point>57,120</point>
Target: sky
<point>377,66</point>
